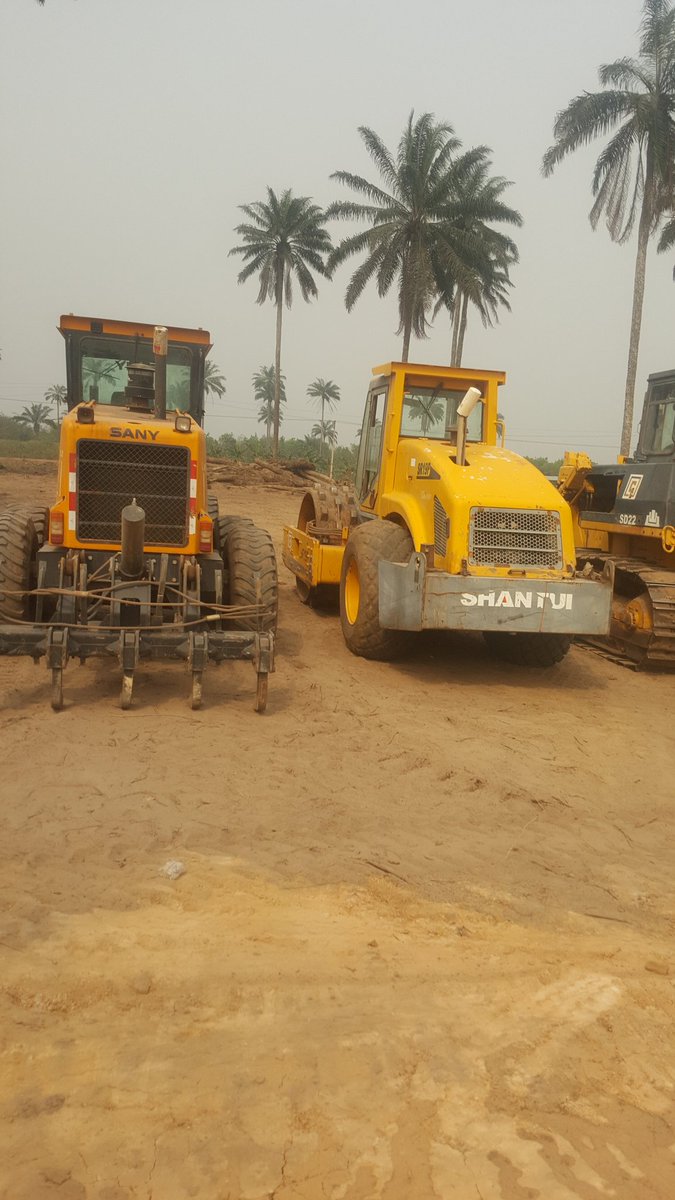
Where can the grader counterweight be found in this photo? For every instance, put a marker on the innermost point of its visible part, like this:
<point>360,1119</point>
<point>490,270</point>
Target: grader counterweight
<point>445,528</point>
<point>133,560</point>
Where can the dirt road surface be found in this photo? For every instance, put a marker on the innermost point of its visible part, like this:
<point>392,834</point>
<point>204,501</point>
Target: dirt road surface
<point>423,945</point>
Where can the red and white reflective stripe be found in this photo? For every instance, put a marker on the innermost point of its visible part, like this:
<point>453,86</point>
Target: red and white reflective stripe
<point>72,491</point>
<point>193,497</point>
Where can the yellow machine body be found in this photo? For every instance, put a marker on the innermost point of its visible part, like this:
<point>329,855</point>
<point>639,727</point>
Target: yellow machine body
<point>110,424</point>
<point>409,477</point>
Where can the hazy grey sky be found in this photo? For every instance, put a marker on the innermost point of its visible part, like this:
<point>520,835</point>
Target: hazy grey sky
<point>132,129</point>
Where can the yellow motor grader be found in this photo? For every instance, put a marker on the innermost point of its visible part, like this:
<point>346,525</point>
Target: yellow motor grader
<point>446,528</point>
<point>624,517</point>
<point>132,560</point>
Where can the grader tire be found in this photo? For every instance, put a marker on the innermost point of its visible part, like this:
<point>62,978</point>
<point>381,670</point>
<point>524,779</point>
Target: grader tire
<point>222,527</point>
<point>528,649</point>
<point>212,506</point>
<point>359,589</point>
<point>251,563</point>
<point>18,547</point>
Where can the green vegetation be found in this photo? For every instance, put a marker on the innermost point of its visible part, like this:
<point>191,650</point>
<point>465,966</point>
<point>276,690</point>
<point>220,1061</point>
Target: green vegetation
<point>634,173</point>
<point>35,417</point>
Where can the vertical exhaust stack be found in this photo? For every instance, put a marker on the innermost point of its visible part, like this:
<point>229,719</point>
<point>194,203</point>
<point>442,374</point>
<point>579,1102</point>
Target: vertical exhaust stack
<point>160,343</point>
<point>132,541</point>
<point>464,410</point>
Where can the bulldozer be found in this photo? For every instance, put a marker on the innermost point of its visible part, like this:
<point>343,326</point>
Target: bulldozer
<point>445,528</point>
<point>133,560</point>
<point>624,518</point>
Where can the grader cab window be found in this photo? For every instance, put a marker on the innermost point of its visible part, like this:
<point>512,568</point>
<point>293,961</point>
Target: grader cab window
<point>432,413</point>
<point>104,371</point>
<point>660,431</point>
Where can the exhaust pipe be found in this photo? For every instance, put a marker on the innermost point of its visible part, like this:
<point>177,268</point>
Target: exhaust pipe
<point>464,410</point>
<point>160,343</point>
<point>133,541</point>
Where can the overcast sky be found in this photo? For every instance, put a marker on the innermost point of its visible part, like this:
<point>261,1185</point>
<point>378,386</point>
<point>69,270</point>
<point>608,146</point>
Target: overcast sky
<point>132,129</point>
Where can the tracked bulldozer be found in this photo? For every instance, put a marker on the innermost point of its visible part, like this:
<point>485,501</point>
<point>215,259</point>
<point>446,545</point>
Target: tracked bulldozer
<point>624,519</point>
<point>445,528</point>
<point>133,561</point>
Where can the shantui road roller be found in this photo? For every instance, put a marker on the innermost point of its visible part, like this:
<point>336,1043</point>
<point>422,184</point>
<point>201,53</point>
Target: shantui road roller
<point>624,517</point>
<point>446,529</point>
<point>132,561</point>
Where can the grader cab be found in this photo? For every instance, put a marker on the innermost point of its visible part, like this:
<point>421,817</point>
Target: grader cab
<point>132,560</point>
<point>445,528</point>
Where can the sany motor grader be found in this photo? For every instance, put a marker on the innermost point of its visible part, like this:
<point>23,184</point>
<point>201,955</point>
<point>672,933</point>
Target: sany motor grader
<point>624,515</point>
<point>445,528</point>
<point>133,561</point>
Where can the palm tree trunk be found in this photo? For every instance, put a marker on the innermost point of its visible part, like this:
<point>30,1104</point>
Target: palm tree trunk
<point>406,339</point>
<point>277,376</point>
<point>456,306</point>
<point>636,318</point>
<point>462,329</point>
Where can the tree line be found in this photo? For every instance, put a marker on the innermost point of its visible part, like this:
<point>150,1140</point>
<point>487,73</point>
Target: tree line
<point>433,214</point>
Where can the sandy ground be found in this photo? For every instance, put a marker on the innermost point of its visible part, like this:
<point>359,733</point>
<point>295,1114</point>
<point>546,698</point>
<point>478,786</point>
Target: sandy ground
<point>422,948</point>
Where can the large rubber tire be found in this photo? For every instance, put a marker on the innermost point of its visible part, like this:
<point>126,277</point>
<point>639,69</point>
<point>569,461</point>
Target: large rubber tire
<point>360,592</point>
<point>222,527</point>
<point>528,649</point>
<point>40,517</point>
<point>212,506</point>
<point>248,554</point>
<point>18,547</point>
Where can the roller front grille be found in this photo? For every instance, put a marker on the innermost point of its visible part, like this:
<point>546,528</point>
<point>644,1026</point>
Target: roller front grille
<point>111,474</point>
<point>512,537</point>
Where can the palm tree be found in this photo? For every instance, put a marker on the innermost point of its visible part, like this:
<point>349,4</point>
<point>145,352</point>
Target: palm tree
<point>264,392</point>
<point>214,381</point>
<point>636,170</point>
<point>476,206</point>
<point>35,417</point>
<point>428,409</point>
<point>325,392</point>
<point>57,394</point>
<point>284,237</point>
<point>412,237</point>
<point>325,432</point>
<point>96,372</point>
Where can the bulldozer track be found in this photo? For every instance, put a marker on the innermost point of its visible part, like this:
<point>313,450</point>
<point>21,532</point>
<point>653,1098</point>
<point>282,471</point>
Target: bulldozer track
<point>655,652</point>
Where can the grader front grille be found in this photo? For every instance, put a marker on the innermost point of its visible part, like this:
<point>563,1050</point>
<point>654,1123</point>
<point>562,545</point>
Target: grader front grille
<point>513,537</point>
<point>111,474</point>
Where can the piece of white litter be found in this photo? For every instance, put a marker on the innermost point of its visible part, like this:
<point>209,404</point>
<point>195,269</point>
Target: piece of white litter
<point>173,869</point>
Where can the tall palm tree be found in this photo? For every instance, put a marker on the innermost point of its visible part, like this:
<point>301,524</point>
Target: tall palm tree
<point>284,237</point>
<point>412,237</point>
<point>57,394</point>
<point>326,394</point>
<point>214,380</point>
<point>264,392</point>
<point>635,173</point>
<point>35,417</point>
<point>477,205</point>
